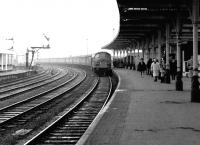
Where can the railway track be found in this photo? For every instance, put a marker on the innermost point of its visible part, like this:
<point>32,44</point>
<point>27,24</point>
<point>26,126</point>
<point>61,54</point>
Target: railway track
<point>27,87</point>
<point>7,114</point>
<point>15,78</point>
<point>59,102</point>
<point>71,125</point>
<point>39,74</point>
<point>24,82</point>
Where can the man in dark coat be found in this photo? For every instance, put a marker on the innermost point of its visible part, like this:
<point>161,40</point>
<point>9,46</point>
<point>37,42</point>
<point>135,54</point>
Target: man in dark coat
<point>141,66</point>
<point>149,62</point>
<point>173,69</point>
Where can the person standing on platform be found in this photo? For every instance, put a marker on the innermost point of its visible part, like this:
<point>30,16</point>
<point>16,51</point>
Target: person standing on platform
<point>155,68</point>
<point>149,62</point>
<point>173,69</point>
<point>141,66</point>
<point>162,71</point>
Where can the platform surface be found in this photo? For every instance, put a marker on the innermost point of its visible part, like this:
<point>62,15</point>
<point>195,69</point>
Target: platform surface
<point>144,112</point>
<point>12,72</point>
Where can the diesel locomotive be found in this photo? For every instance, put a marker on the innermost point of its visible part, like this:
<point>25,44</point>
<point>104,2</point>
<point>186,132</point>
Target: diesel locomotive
<point>102,63</point>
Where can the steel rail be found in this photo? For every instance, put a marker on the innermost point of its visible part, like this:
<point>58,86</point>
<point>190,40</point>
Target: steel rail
<point>14,82</point>
<point>18,109</point>
<point>77,118</point>
<point>5,82</point>
<point>17,92</point>
<point>32,107</point>
<point>27,83</point>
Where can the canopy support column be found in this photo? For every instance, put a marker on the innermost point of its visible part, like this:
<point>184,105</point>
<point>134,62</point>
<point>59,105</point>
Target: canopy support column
<point>167,79</point>
<point>138,49</point>
<point>179,82</point>
<point>153,46</point>
<point>195,83</point>
<point>159,46</point>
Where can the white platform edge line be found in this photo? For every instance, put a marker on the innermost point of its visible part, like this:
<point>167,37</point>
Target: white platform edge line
<point>91,128</point>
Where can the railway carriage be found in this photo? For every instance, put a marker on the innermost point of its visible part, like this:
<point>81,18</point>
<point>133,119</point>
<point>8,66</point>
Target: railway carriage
<point>102,63</point>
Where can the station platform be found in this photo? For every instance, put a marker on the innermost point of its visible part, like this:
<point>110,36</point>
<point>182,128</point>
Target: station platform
<point>13,74</point>
<point>144,112</point>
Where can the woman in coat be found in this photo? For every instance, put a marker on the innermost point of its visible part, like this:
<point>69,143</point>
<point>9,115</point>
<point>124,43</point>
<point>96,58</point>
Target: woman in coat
<point>155,68</point>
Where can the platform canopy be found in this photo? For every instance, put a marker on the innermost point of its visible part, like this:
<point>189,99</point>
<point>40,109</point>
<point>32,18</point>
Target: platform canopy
<point>140,19</point>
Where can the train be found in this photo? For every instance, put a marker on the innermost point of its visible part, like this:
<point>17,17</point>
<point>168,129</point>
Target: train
<point>102,63</point>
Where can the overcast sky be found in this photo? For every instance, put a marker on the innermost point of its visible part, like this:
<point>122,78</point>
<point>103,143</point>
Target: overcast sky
<point>68,23</point>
